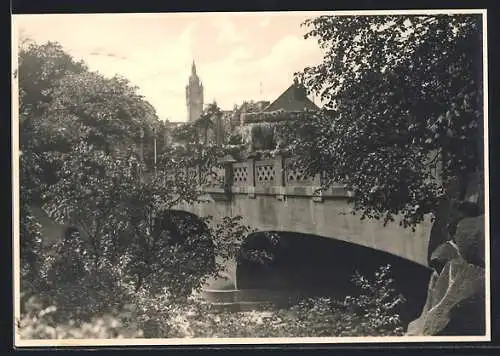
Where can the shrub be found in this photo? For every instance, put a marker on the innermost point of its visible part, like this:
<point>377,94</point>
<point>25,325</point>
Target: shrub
<point>161,315</point>
<point>30,244</point>
<point>39,322</point>
<point>374,311</point>
<point>371,313</point>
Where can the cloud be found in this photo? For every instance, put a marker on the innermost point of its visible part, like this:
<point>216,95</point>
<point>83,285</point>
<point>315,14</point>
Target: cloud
<point>240,53</point>
<point>227,31</point>
<point>231,82</point>
<point>232,52</point>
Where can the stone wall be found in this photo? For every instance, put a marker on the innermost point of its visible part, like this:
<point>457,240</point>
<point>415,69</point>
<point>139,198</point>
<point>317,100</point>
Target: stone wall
<point>329,218</point>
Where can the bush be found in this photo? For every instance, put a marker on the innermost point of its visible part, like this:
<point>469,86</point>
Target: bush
<point>39,322</point>
<point>161,315</point>
<point>372,313</point>
<point>30,244</point>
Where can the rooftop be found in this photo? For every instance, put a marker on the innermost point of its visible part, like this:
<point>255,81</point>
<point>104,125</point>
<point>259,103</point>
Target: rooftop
<point>293,99</point>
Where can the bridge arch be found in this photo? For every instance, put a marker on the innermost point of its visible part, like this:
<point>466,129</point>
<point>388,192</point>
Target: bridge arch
<point>188,230</point>
<point>313,265</point>
<point>180,225</point>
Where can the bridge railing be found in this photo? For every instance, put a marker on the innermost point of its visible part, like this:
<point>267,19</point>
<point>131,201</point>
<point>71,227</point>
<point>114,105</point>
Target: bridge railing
<point>273,176</point>
<point>270,177</point>
<point>267,173</point>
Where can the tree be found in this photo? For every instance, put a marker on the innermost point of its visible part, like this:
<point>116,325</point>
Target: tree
<point>63,103</point>
<point>402,120</point>
<point>39,69</point>
<point>195,148</point>
<point>115,209</point>
<point>251,106</point>
<point>83,131</point>
<point>208,121</point>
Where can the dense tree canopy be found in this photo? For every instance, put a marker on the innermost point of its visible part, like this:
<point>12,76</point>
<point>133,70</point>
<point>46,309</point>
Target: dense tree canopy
<point>81,137</point>
<point>62,103</point>
<point>403,109</point>
<point>40,67</point>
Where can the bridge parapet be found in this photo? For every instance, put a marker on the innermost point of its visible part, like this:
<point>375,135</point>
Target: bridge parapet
<point>268,177</point>
<point>272,196</point>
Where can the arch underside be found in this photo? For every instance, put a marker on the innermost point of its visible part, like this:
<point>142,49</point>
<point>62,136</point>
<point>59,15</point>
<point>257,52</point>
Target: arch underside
<point>301,264</point>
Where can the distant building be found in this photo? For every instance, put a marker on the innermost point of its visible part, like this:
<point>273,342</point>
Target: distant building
<point>252,107</point>
<point>194,96</point>
<point>257,123</point>
<point>169,128</point>
<point>216,130</point>
<point>293,99</point>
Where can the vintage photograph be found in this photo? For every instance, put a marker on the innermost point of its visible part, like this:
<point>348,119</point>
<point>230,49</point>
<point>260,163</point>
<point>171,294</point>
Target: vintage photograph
<point>252,177</point>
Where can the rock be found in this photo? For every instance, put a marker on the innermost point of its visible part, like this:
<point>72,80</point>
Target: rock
<point>441,255</point>
<point>439,231</point>
<point>469,238</point>
<point>449,215</point>
<point>455,302</point>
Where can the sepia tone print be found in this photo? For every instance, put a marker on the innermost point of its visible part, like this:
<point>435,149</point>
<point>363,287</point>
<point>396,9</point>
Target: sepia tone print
<point>250,177</point>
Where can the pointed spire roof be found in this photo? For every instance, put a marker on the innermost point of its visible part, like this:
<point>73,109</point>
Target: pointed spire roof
<point>193,68</point>
<point>193,78</point>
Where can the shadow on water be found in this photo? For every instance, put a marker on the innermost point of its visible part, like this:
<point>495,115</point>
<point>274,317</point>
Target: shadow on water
<point>318,266</point>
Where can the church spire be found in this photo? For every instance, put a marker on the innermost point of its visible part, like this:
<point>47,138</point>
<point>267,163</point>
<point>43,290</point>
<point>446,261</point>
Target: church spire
<point>194,95</point>
<point>193,69</point>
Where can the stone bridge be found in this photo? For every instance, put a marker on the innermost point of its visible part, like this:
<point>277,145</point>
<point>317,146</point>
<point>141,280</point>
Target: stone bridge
<point>270,196</point>
<point>321,244</point>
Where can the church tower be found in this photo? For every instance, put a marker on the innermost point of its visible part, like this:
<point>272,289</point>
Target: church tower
<point>194,96</point>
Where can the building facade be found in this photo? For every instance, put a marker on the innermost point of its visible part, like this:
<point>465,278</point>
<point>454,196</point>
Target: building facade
<point>194,96</point>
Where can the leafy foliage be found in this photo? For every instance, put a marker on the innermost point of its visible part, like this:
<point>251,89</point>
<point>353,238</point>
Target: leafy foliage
<point>275,116</point>
<point>250,106</point>
<point>374,311</point>
<point>40,68</point>
<point>196,149</point>
<point>78,161</point>
<point>30,244</point>
<point>62,103</point>
<point>370,314</point>
<point>196,134</point>
<point>39,322</point>
<point>117,210</point>
<point>403,109</point>
<point>76,289</point>
<point>98,110</point>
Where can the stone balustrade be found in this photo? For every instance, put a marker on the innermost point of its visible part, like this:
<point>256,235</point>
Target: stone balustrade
<point>270,177</point>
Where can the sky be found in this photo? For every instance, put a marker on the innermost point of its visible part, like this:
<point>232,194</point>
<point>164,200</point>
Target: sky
<point>239,56</point>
